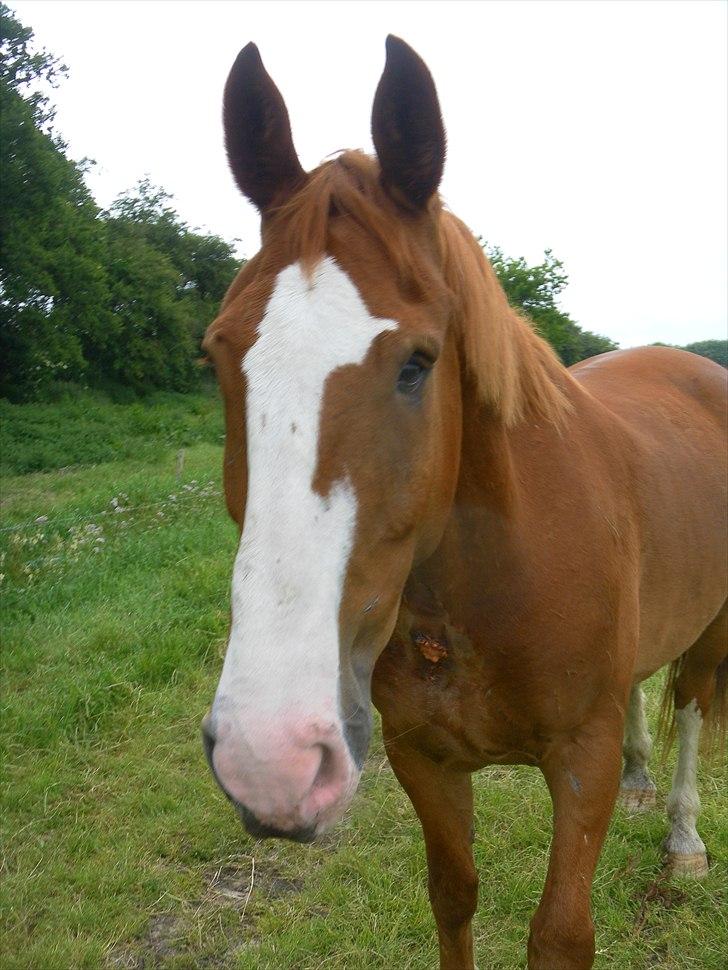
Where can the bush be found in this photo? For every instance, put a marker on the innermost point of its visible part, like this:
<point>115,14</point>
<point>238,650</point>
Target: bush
<point>83,427</point>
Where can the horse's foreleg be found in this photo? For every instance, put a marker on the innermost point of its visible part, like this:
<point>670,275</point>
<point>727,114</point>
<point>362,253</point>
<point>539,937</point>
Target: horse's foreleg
<point>582,773</point>
<point>443,800</point>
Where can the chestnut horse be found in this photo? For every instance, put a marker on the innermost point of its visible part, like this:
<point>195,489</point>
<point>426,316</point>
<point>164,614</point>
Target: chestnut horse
<point>437,516</point>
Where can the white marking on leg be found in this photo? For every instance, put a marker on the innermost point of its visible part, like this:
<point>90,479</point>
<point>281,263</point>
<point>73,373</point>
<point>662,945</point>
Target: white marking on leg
<point>683,802</point>
<point>637,746</point>
<point>283,651</point>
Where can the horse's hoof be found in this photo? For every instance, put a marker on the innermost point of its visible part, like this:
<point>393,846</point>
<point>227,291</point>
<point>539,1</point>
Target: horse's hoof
<point>635,800</point>
<point>693,865</point>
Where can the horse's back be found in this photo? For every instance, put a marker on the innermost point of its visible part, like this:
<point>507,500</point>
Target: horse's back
<point>674,403</point>
<point>625,376</point>
<point>673,410</point>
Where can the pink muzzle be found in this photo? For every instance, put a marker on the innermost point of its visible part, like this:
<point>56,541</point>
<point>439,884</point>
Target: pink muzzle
<point>293,780</point>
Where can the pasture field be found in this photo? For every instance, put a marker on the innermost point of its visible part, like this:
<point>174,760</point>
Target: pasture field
<point>119,851</point>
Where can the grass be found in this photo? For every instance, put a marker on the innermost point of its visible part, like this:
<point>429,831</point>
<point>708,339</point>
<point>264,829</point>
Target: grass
<point>118,850</point>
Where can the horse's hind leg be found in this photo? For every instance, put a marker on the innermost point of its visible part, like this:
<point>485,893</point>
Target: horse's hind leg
<point>694,691</point>
<point>637,789</point>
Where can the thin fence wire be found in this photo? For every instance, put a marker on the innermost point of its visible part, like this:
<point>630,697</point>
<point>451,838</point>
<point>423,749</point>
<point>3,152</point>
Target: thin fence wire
<point>72,519</point>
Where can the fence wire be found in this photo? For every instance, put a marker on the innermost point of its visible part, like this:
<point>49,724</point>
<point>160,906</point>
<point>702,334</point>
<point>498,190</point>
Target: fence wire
<point>51,522</point>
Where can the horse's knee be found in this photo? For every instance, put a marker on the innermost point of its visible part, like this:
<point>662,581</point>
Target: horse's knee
<point>564,943</point>
<point>453,895</point>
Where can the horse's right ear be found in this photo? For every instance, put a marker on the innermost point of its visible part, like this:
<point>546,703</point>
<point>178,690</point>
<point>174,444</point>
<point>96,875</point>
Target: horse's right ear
<point>258,133</point>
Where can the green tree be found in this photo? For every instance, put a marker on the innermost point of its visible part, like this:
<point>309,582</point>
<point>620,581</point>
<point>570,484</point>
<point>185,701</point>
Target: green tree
<point>534,290</point>
<point>205,263</point>
<point>118,297</point>
<point>21,68</point>
<point>716,350</point>
<point>149,343</point>
<point>52,281</point>
<point>166,285</point>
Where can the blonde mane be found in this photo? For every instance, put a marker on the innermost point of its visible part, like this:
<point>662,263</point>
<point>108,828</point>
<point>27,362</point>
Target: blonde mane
<point>514,369</point>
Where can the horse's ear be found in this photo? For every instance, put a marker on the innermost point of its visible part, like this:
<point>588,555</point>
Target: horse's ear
<point>407,127</point>
<point>258,133</point>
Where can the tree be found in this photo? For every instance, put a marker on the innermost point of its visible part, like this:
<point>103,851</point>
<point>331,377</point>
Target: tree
<point>205,264</point>
<point>20,68</point>
<point>52,281</point>
<point>121,296</point>
<point>534,290</point>
<point>166,285</point>
<point>149,343</point>
<point>716,350</point>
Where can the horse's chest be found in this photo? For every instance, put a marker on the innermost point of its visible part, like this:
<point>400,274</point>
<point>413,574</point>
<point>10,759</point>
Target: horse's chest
<point>441,696</point>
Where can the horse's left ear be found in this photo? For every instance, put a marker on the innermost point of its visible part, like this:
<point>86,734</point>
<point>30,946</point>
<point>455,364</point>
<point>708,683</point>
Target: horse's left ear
<point>407,127</point>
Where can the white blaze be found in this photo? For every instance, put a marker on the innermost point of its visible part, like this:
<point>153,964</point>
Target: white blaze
<point>283,652</point>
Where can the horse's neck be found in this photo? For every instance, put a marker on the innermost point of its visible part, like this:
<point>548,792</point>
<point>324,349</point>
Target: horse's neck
<point>487,541</point>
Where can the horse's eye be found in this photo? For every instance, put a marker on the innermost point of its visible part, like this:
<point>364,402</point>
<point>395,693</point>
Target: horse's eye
<point>413,374</point>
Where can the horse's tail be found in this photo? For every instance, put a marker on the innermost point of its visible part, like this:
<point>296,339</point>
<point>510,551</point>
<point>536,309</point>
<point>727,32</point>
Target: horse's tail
<point>715,724</point>
<point>718,714</point>
<point>665,734</point>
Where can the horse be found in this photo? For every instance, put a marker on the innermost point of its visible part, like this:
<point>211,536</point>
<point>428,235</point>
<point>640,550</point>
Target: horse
<point>436,516</point>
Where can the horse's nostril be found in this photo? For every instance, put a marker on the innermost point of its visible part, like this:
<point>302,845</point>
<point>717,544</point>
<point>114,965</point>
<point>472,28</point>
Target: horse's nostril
<point>208,741</point>
<point>327,766</point>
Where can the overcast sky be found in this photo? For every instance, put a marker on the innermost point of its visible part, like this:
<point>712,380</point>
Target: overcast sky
<point>597,129</point>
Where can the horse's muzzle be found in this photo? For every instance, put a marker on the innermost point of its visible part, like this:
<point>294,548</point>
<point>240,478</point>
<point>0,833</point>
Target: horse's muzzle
<point>297,792</point>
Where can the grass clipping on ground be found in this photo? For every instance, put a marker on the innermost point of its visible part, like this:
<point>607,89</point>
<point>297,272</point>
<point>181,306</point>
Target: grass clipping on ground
<point>118,850</point>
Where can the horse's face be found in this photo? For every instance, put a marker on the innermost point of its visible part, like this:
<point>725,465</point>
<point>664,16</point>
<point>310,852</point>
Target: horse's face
<point>342,412</point>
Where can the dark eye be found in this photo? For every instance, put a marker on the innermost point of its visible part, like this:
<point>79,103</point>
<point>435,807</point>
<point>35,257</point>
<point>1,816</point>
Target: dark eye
<point>413,374</point>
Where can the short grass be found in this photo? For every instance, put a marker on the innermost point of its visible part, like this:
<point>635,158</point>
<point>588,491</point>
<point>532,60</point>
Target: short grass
<point>118,850</point>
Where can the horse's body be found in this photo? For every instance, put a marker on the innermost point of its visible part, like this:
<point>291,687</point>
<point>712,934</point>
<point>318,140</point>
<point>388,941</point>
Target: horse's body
<point>576,557</point>
<point>429,500</point>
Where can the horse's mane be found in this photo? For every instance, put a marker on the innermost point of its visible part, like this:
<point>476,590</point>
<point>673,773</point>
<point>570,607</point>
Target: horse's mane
<point>515,370</point>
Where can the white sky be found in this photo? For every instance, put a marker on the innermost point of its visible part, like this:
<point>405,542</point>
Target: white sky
<point>598,129</point>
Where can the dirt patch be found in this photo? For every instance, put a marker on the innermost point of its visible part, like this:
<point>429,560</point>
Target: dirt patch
<point>162,940</point>
<point>240,881</point>
<point>162,932</point>
<point>233,891</point>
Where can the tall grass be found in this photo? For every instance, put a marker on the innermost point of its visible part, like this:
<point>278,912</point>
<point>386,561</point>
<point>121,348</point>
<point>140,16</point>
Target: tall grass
<point>85,428</point>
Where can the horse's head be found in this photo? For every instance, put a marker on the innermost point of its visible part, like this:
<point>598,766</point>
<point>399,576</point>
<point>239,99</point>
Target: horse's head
<point>340,378</point>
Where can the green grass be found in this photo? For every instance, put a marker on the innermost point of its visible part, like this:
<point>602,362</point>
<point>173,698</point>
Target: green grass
<point>118,850</point>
